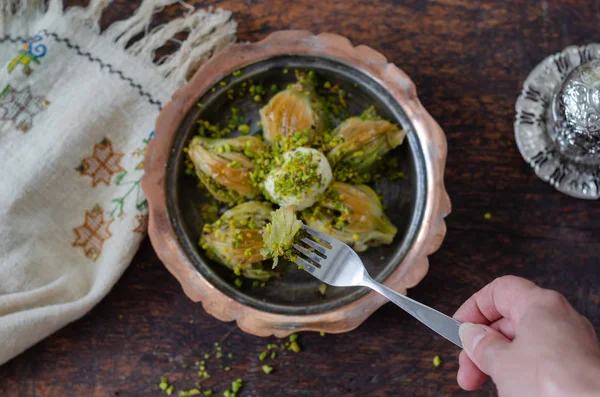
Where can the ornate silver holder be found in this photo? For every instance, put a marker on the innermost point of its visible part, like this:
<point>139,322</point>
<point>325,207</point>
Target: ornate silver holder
<point>557,127</point>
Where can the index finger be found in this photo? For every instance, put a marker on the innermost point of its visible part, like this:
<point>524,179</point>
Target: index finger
<point>506,296</point>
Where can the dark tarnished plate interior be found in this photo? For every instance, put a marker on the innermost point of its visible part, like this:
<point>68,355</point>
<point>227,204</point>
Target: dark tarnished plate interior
<point>297,292</point>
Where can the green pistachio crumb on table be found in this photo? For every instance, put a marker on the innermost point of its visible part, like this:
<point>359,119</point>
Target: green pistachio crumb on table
<point>295,347</point>
<point>437,361</point>
<point>238,282</point>
<point>267,369</point>
<point>208,392</point>
<point>322,333</point>
<point>164,384</point>
<point>293,337</point>
<point>487,216</point>
<point>237,73</point>
<point>262,356</point>
<point>189,393</point>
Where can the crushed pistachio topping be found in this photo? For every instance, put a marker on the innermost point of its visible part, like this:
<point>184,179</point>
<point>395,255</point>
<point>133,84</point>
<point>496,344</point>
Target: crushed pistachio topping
<point>298,174</point>
<point>437,361</point>
<point>267,369</point>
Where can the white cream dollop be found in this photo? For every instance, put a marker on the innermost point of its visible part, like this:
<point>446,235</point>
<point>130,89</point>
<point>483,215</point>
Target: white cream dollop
<point>305,192</point>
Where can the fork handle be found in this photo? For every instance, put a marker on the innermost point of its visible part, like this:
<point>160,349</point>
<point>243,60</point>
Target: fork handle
<point>439,322</point>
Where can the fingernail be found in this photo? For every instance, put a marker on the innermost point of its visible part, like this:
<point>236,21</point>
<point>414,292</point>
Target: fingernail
<point>470,335</point>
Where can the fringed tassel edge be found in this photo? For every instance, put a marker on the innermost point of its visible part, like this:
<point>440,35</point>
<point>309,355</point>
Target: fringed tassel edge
<point>208,31</point>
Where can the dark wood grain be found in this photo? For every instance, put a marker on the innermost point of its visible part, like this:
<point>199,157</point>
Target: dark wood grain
<point>468,59</point>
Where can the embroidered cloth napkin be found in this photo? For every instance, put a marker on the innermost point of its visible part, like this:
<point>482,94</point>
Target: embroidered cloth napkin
<point>77,108</point>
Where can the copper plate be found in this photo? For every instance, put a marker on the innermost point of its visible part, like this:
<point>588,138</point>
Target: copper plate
<point>420,207</point>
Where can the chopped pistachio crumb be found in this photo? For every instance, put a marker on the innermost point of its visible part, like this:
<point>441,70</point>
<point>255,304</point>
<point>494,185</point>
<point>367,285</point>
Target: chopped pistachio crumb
<point>207,356</point>
<point>216,344</point>
<point>267,369</point>
<point>285,71</point>
<point>222,84</point>
<point>437,361</point>
<point>170,390</point>
<point>227,368</point>
<point>355,237</point>
<point>208,392</point>
<point>219,355</point>
<point>244,129</point>
<point>189,393</point>
<point>257,98</point>
<point>230,355</point>
<point>323,289</point>
<point>200,105</point>
<point>263,285</point>
<point>293,337</point>
<point>236,385</point>
<point>262,356</point>
<point>295,347</point>
<point>273,355</point>
<point>274,88</point>
<point>238,282</point>
<point>322,333</point>
<point>487,216</point>
<point>237,73</point>
<point>255,284</point>
<point>164,383</point>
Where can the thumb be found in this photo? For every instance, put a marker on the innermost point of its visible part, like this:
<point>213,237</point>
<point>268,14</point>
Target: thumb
<point>483,345</point>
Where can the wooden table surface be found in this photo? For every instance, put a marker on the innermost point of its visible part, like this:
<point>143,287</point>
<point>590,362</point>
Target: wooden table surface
<point>468,59</point>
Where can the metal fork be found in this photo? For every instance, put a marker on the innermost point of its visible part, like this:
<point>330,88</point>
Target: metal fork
<point>335,263</point>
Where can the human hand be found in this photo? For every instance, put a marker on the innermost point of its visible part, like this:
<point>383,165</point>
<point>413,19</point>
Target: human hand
<point>529,340</point>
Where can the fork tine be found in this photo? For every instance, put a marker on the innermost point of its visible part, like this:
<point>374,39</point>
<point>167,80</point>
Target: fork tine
<point>318,234</point>
<point>309,254</point>
<point>315,245</point>
<point>309,267</point>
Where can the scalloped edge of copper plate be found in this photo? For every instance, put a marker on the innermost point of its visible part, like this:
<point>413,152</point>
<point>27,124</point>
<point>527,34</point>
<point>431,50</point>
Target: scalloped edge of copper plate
<point>162,235</point>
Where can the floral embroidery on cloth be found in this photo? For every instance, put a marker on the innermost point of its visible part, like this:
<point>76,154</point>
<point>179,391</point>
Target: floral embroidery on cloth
<point>134,184</point>
<point>20,106</point>
<point>30,53</point>
<point>141,224</point>
<point>93,233</point>
<point>102,164</point>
